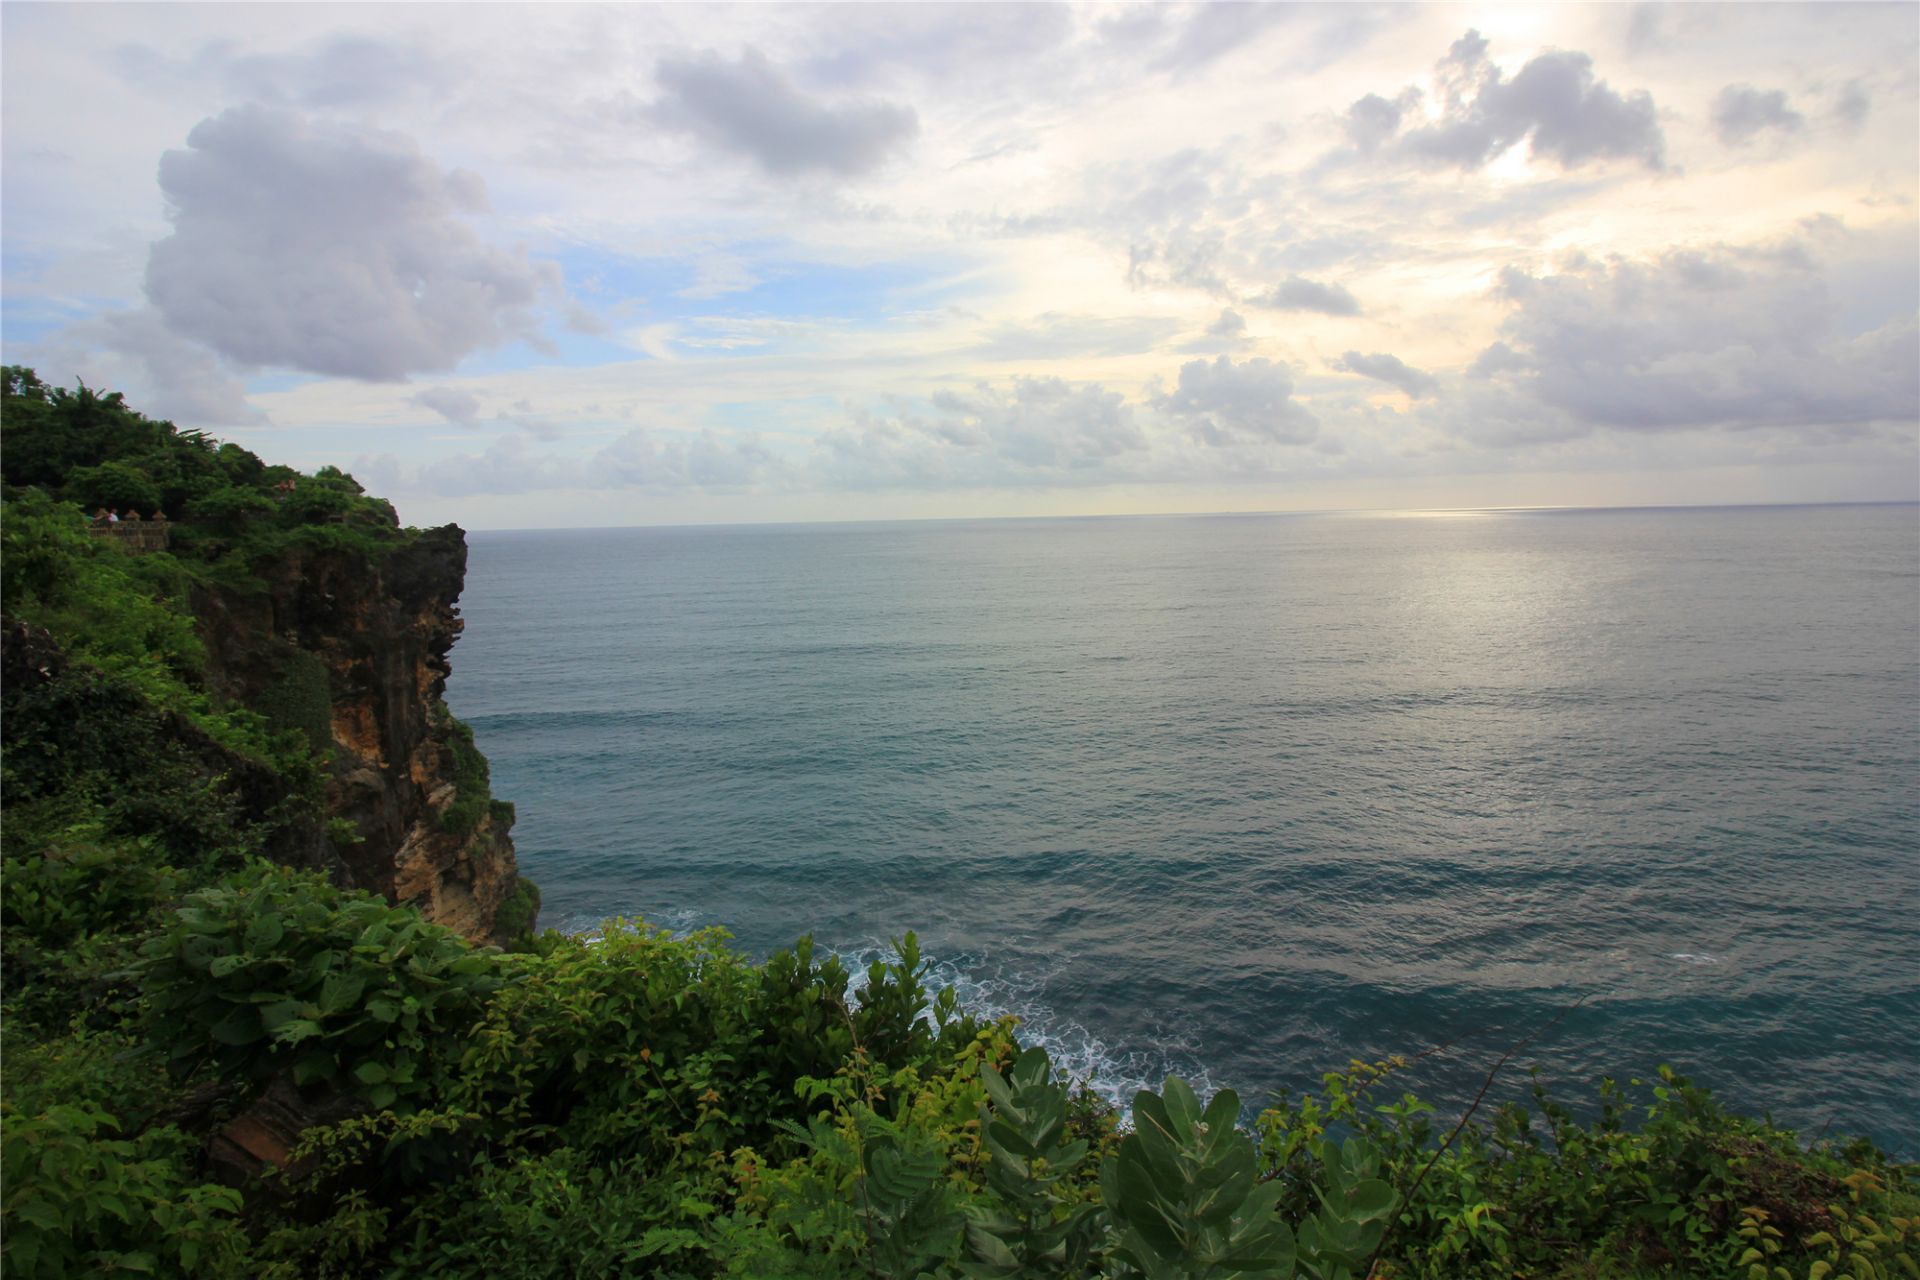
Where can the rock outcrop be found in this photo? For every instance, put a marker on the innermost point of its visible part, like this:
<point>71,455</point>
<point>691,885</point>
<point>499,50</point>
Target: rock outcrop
<point>354,653</point>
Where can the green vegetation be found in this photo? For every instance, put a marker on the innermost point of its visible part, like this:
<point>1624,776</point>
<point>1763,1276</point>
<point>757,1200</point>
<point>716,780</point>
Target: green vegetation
<point>635,1103</point>
<point>472,785</point>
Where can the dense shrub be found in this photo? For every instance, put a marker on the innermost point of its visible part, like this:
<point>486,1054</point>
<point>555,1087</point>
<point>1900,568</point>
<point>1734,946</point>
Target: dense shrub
<point>281,971</point>
<point>81,1199</point>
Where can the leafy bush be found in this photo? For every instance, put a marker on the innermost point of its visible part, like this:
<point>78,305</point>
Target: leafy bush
<point>554,1217</point>
<point>1184,1197</point>
<point>514,920</point>
<point>1039,1221</point>
<point>281,971</point>
<point>472,781</point>
<point>68,915</point>
<point>117,486</point>
<point>80,1200</point>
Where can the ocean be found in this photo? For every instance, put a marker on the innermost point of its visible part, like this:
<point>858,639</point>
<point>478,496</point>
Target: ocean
<point>1246,797</point>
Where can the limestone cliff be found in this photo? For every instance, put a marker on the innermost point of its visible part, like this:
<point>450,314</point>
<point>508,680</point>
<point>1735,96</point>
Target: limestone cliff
<point>355,654</point>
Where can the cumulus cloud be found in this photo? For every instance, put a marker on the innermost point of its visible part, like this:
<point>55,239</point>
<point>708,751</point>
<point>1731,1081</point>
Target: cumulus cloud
<point>751,108</point>
<point>1373,120</point>
<point>1554,103</point>
<point>508,465</point>
<point>1733,336</point>
<point>1043,431</point>
<point>331,248</point>
<point>1227,332</point>
<point>1297,293</point>
<point>641,459</point>
<point>1224,403</point>
<point>458,407</point>
<point>1741,111</point>
<point>1229,325</point>
<point>1390,369</point>
<point>172,378</point>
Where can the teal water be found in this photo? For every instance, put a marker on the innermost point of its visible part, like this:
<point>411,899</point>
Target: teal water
<point>1245,797</point>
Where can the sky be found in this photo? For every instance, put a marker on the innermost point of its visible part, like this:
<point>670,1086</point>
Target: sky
<point>555,266</point>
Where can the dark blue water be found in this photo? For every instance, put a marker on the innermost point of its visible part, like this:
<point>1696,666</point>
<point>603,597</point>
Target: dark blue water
<point>1246,797</point>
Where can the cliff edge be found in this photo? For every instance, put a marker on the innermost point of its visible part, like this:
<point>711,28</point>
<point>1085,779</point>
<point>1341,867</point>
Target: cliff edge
<point>353,650</point>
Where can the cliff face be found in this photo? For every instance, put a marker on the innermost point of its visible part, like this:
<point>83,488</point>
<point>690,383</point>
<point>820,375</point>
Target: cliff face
<point>356,656</point>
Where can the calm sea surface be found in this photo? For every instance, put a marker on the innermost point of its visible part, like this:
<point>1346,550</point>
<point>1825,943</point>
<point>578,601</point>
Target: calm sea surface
<point>1245,797</point>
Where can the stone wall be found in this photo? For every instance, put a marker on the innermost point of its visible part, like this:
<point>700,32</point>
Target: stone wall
<point>135,535</point>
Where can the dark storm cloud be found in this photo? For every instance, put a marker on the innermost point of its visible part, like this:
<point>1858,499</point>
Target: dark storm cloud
<point>330,248</point>
<point>1554,103</point>
<point>1741,111</point>
<point>1727,336</point>
<point>1224,403</point>
<point>1390,369</point>
<point>1297,293</point>
<point>751,108</point>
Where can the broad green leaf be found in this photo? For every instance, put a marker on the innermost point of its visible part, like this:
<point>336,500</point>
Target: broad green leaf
<point>265,933</point>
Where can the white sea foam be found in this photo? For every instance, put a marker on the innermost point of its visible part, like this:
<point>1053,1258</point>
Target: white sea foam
<point>1690,957</point>
<point>990,991</point>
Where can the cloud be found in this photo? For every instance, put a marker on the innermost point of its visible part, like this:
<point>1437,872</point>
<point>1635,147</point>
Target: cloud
<point>751,108</point>
<point>538,428</point>
<point>1212,31</point>
<point>173,378</point>
<point>1296,293</point>
<point>1230,325</point>
<point>1741,111</point>
<point>989,50</point>
<point>1554,103</point>
<point>458,407</point>
<point>1725,336</point>
<point>1228,332</point>
<point>642,460</point>
<point>507,465</point>
<point>1853,104</point>
<point>1224,403</point>
<point>717,273</point>
<point>1373,120</point>
<point>344,71</point>
<point>1053,336</point>
<point>1035,431</point>
<point>330,248</point>
<point>1390,369</point>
